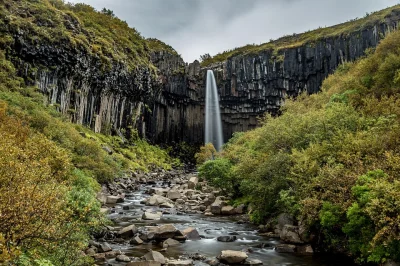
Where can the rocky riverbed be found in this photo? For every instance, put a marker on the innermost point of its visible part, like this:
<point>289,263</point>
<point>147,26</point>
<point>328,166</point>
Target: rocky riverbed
<point>170,218</point>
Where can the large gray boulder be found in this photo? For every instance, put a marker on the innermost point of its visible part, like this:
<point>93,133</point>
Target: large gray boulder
<point>166,231</point>
<point>290,234</point>
<point>170,243</point>
<point>174,195</point>
<point>148,215</point>
<point>193,181</point>
<point>154,256</point>
<point>127,232</point>
<point>217,205</point>
<point>228,210</point>
<point>232,256</point>
<point>156,200</point>
<point>191,233</point>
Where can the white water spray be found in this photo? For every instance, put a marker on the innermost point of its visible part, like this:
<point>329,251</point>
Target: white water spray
<point>213,127</point>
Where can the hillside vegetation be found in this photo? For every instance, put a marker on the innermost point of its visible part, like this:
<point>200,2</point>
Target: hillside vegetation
<point>309,37</point>
<point>50,169</point>
<point>332,160</point>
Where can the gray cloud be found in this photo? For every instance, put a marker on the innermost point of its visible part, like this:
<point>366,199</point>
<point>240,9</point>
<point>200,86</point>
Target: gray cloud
<point>196,27</point>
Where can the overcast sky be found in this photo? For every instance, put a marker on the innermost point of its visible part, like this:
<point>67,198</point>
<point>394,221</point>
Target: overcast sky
<point>196,27</point>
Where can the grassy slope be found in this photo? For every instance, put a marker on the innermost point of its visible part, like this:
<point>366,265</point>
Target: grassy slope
<point>297,40</point>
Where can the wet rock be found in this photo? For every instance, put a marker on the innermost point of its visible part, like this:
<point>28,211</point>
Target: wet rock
<point>232,257</point>
<point>110,254</point>
<point>167,205</point>
<point>151,215</point>
<point>289,234</point>
<point>125,208</point>
<point>99,257</point>
<point>122,258</point>
<point>285,248</point>
<point>144,263</point>
<point>154,256</point>
<point>156,200</point>
<point>180,263</point>
<point>136,241</point>
<point>307,249</point>
<point>191,233</point>
<point>193,181</point>
<point>226,238</point>
<point>113,199</point>
<point>170,243</point>
<point>228,210</point>
<point>104,248</point>
<point>127,232</point>
<point>174,195</point>
<point>166,231</point>
<point>252,262</point>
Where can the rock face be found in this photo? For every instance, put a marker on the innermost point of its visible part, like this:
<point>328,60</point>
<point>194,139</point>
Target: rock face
<point>232,256</point>
<point>169,107</point>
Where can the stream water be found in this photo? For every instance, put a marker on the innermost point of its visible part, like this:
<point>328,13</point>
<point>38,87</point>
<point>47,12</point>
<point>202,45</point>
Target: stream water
<point>209,228</point>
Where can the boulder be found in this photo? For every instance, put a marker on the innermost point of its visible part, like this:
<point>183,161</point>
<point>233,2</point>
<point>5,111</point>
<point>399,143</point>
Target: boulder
<point>228,210</point>
<point>217,205</point>
<point>166,231</point>
<point>122,258</point>
<point>285,248</point>
<point>226,238</point>
<point>156,200</point>
<point>289,234</point>
<point>167,205</point>
<point>136,241</point>
<point>193,181</point>
<point>240,209</point>
<point>99,256</point>
<point>180,262</point>
<point>127,232</point>
<point>113,199</point>
<point>285,219</point>
<point>151,215</point>
<point>174,195</point>
<point>170,243</point>
<point>307,249</point>
<point>191,233</point>
<point>252,262</point>
<point>91,251</point>
<point>232,256</point>
<point>104,248</point>
<point>144,263</point>
<point>154,256</point>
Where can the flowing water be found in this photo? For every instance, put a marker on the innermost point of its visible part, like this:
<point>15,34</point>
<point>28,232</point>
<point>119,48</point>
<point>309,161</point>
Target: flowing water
<point>213,126</point>
<point>209,228</point>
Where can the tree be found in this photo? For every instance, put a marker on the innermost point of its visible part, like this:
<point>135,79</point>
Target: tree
<point>108,12</point>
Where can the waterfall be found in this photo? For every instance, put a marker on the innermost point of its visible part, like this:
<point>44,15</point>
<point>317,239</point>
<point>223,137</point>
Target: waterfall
<point>213,127</point>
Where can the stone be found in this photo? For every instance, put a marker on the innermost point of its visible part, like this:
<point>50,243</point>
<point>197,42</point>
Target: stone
<point>284,219</point>
<point>193,181</point>
<point>174,195</point>
<point>232,256</point>
<point>154,256</point>
<point>180,263</point>
<point>252,262</point>
<point>228,210</point>
<point>151,215</point>
<point>217,205</point>
<point>91,251</point>
<point>167,205</point>
<point>144,263</point>
<point>307,249</point>
<point>240,209</point>
<point>170,243</point>
<point>122,258</point>
<point>127,232</point>
<point>113,199</point>
<point>136,241</point>
<point>110,254</point>
<point>99,256</point>
<point>191,233</point>
<point>156,200</point>
<point>391,263</point>
<point>285,248</point>
<point>226,238</point>
<point>104,248</point>
<point>166,231</point>
<point>289,234</point>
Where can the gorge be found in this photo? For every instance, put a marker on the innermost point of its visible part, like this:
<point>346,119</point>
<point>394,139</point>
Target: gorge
<point>165,102</point>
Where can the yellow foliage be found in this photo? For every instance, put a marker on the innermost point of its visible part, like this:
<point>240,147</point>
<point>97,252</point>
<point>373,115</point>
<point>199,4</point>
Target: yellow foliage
<point>207,152</point>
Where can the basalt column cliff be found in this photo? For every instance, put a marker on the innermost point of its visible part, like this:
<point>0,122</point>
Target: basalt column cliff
<point>252,84</point>
<point>115,85</point>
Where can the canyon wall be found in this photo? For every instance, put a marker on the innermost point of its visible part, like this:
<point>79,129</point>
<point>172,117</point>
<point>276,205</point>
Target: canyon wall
<point>168,107</point>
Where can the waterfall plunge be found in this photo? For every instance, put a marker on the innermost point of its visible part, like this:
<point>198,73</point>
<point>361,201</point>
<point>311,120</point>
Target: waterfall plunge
<point>213,128</point>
